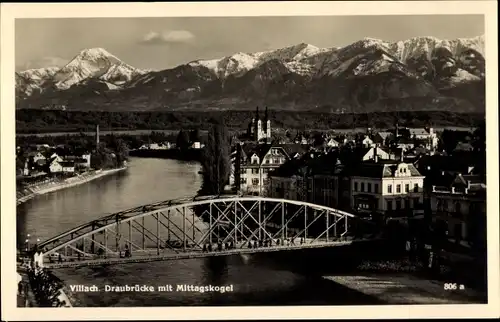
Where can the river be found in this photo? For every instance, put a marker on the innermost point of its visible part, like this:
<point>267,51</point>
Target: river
<point>254,281</point>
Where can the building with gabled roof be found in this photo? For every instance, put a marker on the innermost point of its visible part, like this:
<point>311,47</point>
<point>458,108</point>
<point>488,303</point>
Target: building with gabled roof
<point>458,205</point>
<point>391,187</point>
<point>251,164</point>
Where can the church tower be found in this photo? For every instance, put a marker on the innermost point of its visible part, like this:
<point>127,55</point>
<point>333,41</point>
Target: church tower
<point>258,126</point>
<point>267,126</point>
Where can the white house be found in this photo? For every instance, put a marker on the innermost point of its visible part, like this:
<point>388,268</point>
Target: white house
<point>332,143</point>
<point>55,166</point>
<point>56,157</point>
<point>87,158</point>
<point>426,134</point>
<point>367,142</point>
<point>372,153</point>
<point>67,166</point>
<point>252,164</point>
<point>391,187</point>
<point>38,156</point>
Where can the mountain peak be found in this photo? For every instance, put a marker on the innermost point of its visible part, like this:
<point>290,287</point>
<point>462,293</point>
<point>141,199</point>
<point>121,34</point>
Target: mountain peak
<point>94,53</point>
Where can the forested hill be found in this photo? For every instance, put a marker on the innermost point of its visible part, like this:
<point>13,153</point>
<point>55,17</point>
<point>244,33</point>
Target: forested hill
<point>44,121</point>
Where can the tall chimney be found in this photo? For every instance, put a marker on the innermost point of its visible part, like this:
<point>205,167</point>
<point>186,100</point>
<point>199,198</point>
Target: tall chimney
<point>375,154</point>
<point>97,135</point>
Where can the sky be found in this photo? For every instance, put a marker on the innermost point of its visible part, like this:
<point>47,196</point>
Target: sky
<point>160,43</point>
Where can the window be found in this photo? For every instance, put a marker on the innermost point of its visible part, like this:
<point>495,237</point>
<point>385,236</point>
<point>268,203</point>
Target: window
<point>415,187</point>
<point>255,171</point>
<point>255,160</point>
<point>276,160</point>
<point>362,187</point>
<point>255,181</point>
<point>369,187</point>
<point>376,188</point>
<point>243,180</point>
<point>268,161</point>
<point>389,188</point>
<point>407,187</point>
<point>389,204</point>
<point>398,188</point>
<point>355,186</point>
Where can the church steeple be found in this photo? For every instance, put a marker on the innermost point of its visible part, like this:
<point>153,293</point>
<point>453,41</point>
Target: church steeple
<point>257,114</point>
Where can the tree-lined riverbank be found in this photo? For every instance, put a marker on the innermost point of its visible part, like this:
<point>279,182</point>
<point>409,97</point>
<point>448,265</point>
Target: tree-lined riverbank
<point>54,185</point>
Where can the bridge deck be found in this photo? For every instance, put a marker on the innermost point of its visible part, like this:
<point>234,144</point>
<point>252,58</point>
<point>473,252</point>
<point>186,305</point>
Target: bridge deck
<point>198,254</point>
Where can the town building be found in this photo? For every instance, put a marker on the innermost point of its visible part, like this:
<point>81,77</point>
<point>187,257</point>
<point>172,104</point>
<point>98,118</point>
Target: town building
<point>316,178</point>
<point>459,205</point>
<point>390,187</point>
<point>67,166</point>
<point>382,138</point>
<point>251,164</point>
<point>332,143</point>
<point>55,166</point>
<point>367,142</point>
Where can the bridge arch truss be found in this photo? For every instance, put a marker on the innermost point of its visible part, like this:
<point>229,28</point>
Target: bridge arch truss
<point>199,227</point>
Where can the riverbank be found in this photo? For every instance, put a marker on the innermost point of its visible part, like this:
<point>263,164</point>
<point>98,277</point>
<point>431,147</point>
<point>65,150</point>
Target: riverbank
<point>33,191</point>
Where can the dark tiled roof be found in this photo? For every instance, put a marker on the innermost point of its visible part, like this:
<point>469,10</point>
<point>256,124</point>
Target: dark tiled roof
<point>311,163</point>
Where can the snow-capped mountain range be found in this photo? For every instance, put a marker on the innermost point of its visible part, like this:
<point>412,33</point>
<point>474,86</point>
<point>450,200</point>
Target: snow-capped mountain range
<point>369,74</point>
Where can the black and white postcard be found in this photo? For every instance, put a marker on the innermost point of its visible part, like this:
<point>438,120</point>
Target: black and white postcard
<point>301,159</point>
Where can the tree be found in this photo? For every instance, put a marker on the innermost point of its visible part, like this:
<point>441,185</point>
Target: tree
<point>182,140</point>
<point>319,139</point>
<point>215,160</point>
<point>120,148</point>
<point>479,137</point>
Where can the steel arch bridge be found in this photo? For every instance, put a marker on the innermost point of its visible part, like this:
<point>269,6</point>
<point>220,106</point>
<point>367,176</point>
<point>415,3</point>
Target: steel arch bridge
<point>199,227</point>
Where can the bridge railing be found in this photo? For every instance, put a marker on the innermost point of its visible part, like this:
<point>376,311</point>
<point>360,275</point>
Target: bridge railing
<point>196,224</point>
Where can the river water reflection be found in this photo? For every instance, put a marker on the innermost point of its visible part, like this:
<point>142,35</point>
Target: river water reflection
<point>152,180</point>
